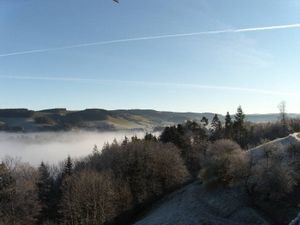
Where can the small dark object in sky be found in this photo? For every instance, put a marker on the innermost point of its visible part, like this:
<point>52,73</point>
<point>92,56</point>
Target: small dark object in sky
<point>117,1</point>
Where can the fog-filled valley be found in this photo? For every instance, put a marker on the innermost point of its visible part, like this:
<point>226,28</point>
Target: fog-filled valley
<point>53,147</point>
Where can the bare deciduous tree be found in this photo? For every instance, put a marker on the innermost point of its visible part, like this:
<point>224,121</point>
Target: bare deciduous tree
<point>151,168</point>
<point>282,112</point>
<point>93,198</point>
<point>225,164</point>
<point>22,206</point>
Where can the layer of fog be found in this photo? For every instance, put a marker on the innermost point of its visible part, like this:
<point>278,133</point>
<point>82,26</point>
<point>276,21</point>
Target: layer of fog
<point>53,147</point>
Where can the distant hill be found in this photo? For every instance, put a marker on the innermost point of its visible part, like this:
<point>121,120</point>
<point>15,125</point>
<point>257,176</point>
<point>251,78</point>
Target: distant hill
<point>270,117</point>
<point>100,119</point>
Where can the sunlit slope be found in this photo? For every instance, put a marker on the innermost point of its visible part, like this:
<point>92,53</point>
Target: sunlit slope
<point>283,145</point>
<point>100,119</point>
<point>94,119</point>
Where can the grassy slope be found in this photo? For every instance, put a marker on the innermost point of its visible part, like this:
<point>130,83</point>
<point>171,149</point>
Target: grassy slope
<point>60,119</point>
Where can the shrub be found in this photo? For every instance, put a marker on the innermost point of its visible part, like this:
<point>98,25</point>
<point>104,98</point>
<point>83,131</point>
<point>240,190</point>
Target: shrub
<point>273,182</point>
<point>225,164</point>
<point>272,177</point>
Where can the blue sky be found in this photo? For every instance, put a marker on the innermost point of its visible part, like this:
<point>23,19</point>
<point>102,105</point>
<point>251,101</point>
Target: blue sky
<point>211,72</point>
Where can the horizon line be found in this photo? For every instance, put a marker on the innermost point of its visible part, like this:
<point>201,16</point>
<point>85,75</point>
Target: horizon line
<point>141,109</point>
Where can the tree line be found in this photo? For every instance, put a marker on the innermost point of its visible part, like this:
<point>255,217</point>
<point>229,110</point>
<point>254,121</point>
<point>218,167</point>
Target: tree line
<point>107,187</point>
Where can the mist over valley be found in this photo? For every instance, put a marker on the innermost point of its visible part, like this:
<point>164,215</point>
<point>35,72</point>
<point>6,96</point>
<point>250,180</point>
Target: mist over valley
<point>53,147</point>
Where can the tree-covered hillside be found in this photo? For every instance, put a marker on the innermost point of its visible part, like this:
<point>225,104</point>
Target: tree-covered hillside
<point>61,119</point>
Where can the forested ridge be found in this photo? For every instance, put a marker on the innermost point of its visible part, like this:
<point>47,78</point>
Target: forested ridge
<point>61,119</point>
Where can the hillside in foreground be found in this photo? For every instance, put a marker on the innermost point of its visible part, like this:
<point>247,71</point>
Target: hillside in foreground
<point>105,120</point>
<point>195,205</point>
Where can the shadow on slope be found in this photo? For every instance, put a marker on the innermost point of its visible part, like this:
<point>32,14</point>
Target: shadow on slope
<point>194,205</point>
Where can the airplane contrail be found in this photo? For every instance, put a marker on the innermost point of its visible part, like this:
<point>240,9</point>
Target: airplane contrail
<point>116,41</point>
<point>154,84</point>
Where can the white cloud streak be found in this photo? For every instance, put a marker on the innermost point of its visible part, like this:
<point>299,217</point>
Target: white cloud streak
<point>155,84</point>
<point>125,40</point>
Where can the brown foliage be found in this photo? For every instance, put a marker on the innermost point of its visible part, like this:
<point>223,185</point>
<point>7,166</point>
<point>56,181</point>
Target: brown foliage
<point>151,168</point>
<point>272,177</point>
<point>225,164</point>
<point>92,198</point>
<point>22,206</point>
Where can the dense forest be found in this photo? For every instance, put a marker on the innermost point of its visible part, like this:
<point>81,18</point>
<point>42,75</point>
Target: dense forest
<point>116,183</point>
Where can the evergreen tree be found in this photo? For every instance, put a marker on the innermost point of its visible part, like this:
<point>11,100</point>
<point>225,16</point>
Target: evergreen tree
<point>194,133</point>
<point>216,123</point>
<point>239,118</point>
<point>95,150</point>
<point>125,141</point>
<point>239,130</point>
<point>150,137</point>
<point>133,139</point>
<point>68,167</point>
<point>191,125</point>
<point>44,188</point>
<point>204,121</point>
<point>175,135</point>
<point>59,185</point>
<point>228,126</point>
<point>170,134</point>
<point>165,136</point>
<point>216,128</point>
